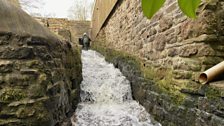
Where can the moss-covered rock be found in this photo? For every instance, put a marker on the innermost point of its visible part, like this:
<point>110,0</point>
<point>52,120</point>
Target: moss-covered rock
<point>40,74</point>
<point>171,102</point>
<point>12,94</point>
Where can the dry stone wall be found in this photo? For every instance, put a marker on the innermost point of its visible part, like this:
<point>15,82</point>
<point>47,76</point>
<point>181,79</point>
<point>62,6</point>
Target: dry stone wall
<point>39,73</point>
<point>54,24</point>
<point>68,29</point>
<point>39,80</point>
<point>163,57</point>
<point>169,40</point>
<point>77,29</point>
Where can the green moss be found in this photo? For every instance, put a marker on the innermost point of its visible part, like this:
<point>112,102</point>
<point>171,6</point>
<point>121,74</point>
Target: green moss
<point>40,115</point>
<point>168,85</point>
<point>33,64</point>
<point>189,75</point>
<point>149,72</point>
<point>77,62</point>
<point>212,93</point>
<point>162,77</point>
<point>10,94</point>
<point>111,54</point>
<point>37,91</point>
<point>9,122</point>
<point>24,112</point>
<point>34,114</point>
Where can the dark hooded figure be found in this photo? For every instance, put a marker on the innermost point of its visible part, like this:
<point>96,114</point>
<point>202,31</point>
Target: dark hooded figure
<point>85,41</point>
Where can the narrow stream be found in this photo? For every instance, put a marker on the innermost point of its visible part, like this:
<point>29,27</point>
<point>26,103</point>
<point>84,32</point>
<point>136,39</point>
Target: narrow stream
<point>106,97</point>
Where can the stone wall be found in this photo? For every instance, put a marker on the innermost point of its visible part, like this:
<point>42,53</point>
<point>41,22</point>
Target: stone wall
<point>39,73</point>
<point>171,51</point>
<point>169,40</point>
<point>54,24</point>
<point>77,29</point>
<point>68,29</point>
<point>202,107</point>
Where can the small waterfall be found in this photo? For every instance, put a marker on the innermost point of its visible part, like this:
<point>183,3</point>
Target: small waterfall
<point>106,97</point>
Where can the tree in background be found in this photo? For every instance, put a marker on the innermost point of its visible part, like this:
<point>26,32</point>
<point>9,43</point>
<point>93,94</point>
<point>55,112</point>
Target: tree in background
<point>82,10</point>
<point>78,12</point>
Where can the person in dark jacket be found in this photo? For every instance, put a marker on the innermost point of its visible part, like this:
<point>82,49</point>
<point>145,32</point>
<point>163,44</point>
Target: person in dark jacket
<point>85,41</point>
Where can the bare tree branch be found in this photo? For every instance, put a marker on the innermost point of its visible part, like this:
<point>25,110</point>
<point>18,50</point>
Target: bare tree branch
<point>82,10</point>
<point>78,12</point>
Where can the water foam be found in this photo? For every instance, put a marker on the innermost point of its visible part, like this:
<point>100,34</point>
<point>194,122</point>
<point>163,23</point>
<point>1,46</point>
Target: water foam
<point>106,97</point>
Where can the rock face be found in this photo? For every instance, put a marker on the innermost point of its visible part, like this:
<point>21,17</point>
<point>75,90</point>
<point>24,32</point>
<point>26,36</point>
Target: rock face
<point>169,52</point>
<point>39,74</point>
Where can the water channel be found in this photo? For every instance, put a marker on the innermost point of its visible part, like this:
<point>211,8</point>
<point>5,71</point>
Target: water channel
<point>106,98</point>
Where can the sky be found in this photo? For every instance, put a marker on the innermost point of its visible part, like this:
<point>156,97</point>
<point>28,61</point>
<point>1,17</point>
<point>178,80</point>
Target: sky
<point>56,8</point>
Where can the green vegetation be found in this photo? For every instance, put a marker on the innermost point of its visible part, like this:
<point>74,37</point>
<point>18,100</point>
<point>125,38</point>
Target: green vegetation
<point>188,7</point>
<point>10,94</point>
<point>162,77</point>
<point>212,93</point>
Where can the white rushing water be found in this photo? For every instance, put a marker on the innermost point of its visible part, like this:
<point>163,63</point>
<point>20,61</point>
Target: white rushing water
<point>106,97</point>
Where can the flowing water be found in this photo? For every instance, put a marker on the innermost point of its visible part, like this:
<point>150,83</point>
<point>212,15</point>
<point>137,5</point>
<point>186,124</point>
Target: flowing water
<point>106,97</point>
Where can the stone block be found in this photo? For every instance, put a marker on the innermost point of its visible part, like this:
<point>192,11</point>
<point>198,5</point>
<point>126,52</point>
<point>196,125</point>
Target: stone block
<point>54,89</point>
<point>182,74</point>
<point>217,121</point>
<point>159,42</point>
<point>18,53</point>
<point>6,66</point>
<point>172,52</point>
<point>43,53</point>
<point>29,71</point>
<point>165,23</point>
<point>36,41</point>
<point>188,51</point>
<point>206,50</point>
<point>17,79</point>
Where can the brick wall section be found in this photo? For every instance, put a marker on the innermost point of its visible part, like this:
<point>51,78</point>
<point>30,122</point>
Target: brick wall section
<point>169,39</point>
